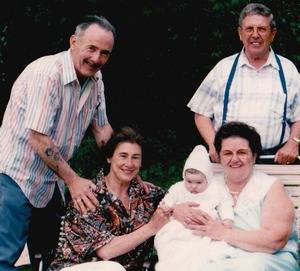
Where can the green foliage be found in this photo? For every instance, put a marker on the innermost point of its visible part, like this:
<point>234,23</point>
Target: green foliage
<point>88,159</point>
<point>163,175</point>
<point>163,51</point>
<point>163,158</point>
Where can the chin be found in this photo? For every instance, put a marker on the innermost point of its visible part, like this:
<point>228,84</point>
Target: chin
<point>90,73</point>
<point>128,178</point>
<point>257,52</point>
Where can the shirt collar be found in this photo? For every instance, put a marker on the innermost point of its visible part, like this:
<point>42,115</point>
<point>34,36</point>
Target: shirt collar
<point>69,73</point>
<point>271,61</point>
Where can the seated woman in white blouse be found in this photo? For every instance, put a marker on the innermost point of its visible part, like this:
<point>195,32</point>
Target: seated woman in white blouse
<point>264,219</point>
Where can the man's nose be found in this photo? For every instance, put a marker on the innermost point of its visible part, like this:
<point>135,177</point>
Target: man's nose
<point>255,32</point>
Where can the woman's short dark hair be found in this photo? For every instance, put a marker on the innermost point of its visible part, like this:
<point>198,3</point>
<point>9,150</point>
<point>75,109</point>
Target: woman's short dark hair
<point>124,134</point>
<point>238,129</point>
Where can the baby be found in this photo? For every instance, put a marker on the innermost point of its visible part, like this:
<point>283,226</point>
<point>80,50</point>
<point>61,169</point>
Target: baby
<point>177,247</point>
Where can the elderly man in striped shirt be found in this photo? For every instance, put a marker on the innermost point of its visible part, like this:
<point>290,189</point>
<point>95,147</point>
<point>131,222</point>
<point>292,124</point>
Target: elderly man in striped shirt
<point>255,86</point>
<point>52,103</point>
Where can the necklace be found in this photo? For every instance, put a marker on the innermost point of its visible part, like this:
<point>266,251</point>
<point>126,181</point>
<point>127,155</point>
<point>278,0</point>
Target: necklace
<point>234,194</point>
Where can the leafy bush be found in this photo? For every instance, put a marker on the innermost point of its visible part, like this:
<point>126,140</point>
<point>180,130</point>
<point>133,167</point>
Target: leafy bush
<point>88,159</point>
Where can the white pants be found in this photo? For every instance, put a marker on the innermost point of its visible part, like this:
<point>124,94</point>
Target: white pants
<point>96,266</point>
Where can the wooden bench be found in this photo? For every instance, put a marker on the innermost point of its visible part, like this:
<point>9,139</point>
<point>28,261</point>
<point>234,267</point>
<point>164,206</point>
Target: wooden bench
<point>289,175</point>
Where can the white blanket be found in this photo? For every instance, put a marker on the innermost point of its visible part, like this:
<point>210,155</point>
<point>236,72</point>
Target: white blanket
<point>179,249</point>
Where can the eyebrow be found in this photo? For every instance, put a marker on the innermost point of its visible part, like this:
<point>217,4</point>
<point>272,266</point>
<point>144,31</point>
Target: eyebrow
<point>236,150</point>
<point>105,52</point>
<point>126,153</point>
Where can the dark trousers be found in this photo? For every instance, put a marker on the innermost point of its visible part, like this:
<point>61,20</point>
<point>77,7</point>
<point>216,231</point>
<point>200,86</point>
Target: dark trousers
<point>44,231</point>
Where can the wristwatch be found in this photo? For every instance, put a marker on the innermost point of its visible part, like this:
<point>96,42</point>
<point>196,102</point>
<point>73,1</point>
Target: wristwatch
<point>296,139</point>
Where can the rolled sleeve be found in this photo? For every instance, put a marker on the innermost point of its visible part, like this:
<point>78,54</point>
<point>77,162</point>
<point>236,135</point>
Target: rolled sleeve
<point>171,197</point>
<point>203,100</point>
<point>295,105</point>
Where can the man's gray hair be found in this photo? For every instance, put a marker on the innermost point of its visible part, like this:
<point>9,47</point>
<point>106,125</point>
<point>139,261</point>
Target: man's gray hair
<point>94,19</point>
<point>257,9</point>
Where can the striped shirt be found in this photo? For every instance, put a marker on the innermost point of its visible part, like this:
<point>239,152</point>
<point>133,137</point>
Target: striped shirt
<point>256,96</point>
<point>46,98</point>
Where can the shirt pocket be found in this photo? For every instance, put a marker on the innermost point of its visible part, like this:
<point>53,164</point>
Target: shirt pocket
<point>89,110</point>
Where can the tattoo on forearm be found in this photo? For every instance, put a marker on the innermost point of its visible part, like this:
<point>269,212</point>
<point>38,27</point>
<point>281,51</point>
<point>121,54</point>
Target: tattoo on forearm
<point>55,158</point>
<point>49,152</point>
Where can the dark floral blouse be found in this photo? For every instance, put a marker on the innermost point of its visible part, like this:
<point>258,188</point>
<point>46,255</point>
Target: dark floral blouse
<point>82,235</point>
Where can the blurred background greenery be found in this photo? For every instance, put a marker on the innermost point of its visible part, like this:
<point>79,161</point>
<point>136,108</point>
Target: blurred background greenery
<point>163,51</point>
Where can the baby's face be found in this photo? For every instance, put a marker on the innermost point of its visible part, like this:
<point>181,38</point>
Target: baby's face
<point>195,183</point>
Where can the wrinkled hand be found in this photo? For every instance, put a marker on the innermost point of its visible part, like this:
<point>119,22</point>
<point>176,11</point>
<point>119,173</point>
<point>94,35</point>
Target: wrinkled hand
<point>288,153</point>
<point>187,213</point>
<point>82,194</point>
<point>214,157</point>
<point>212,228</point>
<point>166,209</point>
<point>228,223</point>
<point>158,220</point>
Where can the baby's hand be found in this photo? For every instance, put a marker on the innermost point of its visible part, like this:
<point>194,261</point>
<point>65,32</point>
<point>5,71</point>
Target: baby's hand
<point>166,209</point>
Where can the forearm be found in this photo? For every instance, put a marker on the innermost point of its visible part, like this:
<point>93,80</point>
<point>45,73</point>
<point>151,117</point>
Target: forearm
<point>256,241</point>
<point>101,133</point>
<point>120,245</point>
<point>205,128</point>
<point>277,216</point>
<point>207,131</point>
<point>295,129</point>
<point>289,152</point>
<point>51,156</point>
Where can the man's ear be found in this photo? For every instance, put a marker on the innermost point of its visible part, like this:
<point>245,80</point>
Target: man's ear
<point>239,30</point>
<point>274,31</point>
<point>72,40</point>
